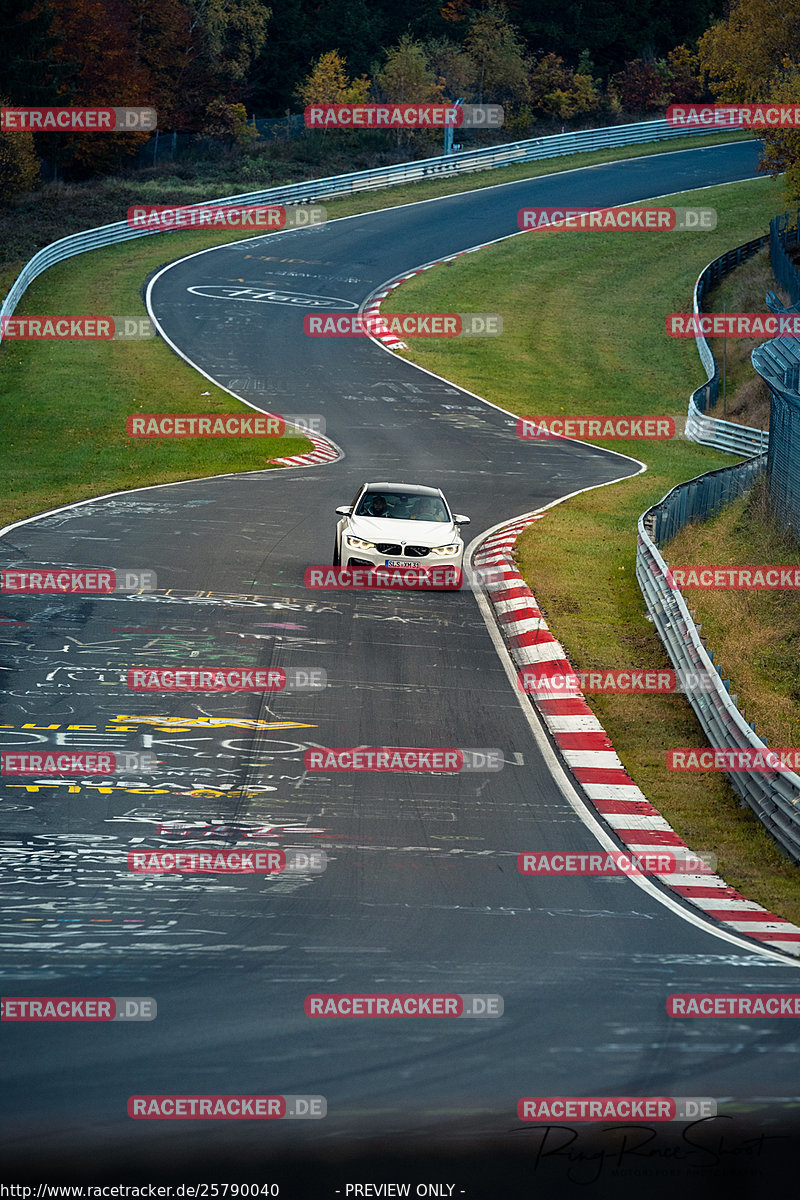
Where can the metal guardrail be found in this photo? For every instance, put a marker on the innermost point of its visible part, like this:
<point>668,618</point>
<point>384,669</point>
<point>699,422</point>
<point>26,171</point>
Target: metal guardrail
<point>712,431</point>
<point>778,362</point>
<point>358,181</point>
<point>774,797</point>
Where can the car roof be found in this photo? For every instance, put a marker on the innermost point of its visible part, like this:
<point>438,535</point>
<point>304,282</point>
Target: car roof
<point>417,489</point>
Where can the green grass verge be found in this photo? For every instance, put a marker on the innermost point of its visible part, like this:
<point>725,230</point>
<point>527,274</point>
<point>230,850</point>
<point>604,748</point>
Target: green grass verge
<point>583,333</point>
<point>64,404</point>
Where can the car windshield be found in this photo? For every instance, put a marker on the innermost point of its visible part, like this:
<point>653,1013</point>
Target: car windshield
<point>402,506</point>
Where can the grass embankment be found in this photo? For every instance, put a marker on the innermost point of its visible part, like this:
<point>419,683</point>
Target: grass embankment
<point>755,635</point>
<point>743,395</point>
<point>583,333</point>
<point>64,405</point>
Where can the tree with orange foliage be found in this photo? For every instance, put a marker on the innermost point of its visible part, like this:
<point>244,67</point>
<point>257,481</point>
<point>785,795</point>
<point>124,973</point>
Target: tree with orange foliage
<point>754,55</point>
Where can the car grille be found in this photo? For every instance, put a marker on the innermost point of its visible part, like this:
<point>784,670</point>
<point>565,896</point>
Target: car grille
<point>395,550</point>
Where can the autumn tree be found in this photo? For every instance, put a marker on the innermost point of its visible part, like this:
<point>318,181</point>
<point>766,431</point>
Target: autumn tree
<point>229,121</point>
<point>559,91</point>
<point>685,80</point>
<point>98,38</point>
<point>19,166</point>
<point>455,10</point>
<point>781,154</point>
<point>643,84</point>
<point>232,33</point>
<point>498,52</point>
<point>744,55</point>
<point>169,51</point>
<point>453,67</point>
<point>328,83</point>
<point>407,76</point>
<point>754,55</point>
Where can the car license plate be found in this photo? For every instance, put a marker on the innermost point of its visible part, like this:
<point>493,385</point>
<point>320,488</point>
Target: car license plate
<point>396,562</point>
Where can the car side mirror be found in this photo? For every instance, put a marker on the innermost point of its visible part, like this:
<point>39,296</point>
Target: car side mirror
<point>459,520</point>
<point>344,510</point>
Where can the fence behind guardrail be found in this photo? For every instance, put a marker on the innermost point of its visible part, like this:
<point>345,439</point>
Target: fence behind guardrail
<point>700,427</point>
<point>774,798</point>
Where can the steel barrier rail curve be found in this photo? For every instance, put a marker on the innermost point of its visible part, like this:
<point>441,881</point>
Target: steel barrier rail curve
<point>358,181</point>
<point>713,431</point>
<point>773,797</point>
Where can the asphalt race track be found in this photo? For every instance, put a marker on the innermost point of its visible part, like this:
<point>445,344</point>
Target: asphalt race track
<point>421,891</point>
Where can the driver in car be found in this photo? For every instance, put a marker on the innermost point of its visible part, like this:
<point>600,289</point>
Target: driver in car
<point>377,507</point>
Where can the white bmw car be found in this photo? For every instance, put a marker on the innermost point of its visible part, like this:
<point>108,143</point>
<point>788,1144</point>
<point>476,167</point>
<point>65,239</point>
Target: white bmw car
<point>398,525</point>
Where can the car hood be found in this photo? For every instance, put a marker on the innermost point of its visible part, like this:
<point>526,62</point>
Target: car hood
<point>414,533</point>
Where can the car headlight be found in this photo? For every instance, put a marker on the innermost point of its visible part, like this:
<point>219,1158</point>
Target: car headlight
<point>358,543</point>
<point>446,551</point>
